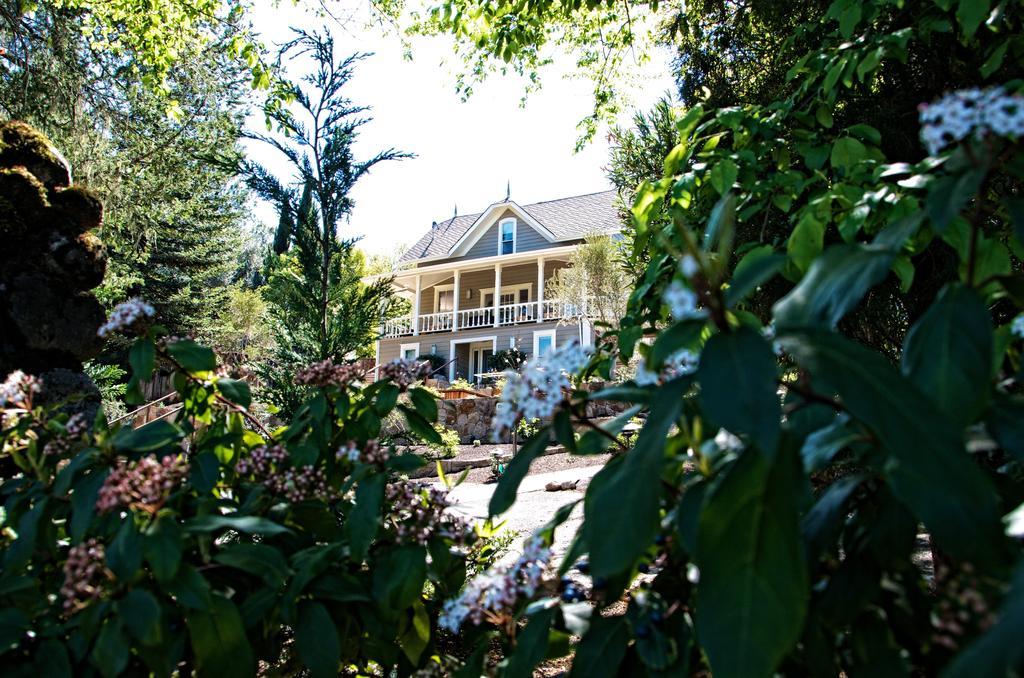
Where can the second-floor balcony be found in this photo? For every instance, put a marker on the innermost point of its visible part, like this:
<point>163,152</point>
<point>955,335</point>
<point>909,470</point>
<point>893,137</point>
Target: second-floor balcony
<point>472,318</point>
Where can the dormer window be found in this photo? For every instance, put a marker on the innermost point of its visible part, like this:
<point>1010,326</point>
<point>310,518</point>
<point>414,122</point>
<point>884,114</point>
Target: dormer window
<point>507,236</point>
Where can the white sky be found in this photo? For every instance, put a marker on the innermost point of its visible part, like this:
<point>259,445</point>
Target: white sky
<point>465,151</point>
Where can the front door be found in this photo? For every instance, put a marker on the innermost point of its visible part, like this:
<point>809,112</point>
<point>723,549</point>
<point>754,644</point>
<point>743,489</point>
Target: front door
<point>479,360</point>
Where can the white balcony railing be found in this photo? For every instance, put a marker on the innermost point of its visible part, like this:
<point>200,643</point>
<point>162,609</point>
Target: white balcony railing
<point>470,318</point>
<point>475,317</point>
<point>435,322</point>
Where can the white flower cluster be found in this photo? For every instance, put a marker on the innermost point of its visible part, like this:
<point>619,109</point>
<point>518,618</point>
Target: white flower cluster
<point>681,301</point>
<point>679,363</point>
<point>125,315</point>
<point>536,389</point>
<point>1017,327</point>
<point>728,442</point>
<point>17,389</point>
<point>494,593</point>
<point>971,112</point>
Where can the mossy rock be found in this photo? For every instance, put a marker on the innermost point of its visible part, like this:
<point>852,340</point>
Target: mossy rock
<point>25,202</point>
<point>52,321</point>
<point>22,145</point>
<point>76,210</point>
<point>81,261</point>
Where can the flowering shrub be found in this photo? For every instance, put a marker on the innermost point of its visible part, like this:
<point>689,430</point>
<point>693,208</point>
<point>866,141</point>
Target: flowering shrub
<point>767,517</point>
<point>209,544</point>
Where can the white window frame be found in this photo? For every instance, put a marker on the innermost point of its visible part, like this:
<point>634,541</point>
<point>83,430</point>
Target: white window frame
<point>537,334</point>
<point>437,296</point>
<point>506,289</point>
<point>404,347</point>
<point>515,234</point>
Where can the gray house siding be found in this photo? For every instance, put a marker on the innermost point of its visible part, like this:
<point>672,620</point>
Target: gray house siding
<point>520,336</point>
<point>527,239</point>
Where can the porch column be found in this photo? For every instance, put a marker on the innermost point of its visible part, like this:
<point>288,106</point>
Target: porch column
<point>455,303</point>
<point>540,290</point>
<point>416,308</point>
<point>497,294</point>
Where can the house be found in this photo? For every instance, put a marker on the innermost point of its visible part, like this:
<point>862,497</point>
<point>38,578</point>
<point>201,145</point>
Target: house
<point>477,283</point>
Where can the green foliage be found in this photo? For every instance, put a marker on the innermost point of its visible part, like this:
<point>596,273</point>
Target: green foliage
<point>448,446</point>
<point>172,207</point>
<point>215,565</point>
<point>506,359</point>
<point>595,282</point>
<point>858,375</point>
<point>320,306</point>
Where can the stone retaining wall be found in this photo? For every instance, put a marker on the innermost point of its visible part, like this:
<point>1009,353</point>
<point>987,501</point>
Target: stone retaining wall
<point>471,417</point>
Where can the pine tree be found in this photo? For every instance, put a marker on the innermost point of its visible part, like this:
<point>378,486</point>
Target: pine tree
<point>319,304</point>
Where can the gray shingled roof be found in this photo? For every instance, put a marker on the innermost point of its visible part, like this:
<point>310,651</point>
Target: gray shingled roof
<point>566,218</point>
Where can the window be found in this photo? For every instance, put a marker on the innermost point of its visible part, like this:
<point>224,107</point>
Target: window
<point>507,236</point>
<point>543,342</point>
<point>445,301</point>
<point>409,351</point>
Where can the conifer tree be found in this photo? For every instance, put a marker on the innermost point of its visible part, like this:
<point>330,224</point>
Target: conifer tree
<point>320,306</point>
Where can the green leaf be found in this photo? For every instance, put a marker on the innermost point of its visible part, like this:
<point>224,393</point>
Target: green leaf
<point>140,612</point>
<point>847,152</point>
<point>755,268</point>
<point>316,639</point>
<point>926,464</point>
<point>948,195</point>
<point>83,502</point>
<point>970,14</point>
<point>684,334</point>
<point>616,537</point>
<point>600,652</point>
<point>148,438</point>
<point>948,354</point>
<point>821,524</point>
<point>235,390</point>
<point>738,391</point>
<point>111,652</point>
<point>246,524</point>
<point>721,221</point>
<point>219,642</point>
<point>807,240</point>
<point>834,285</point>
<point>404,463</point>
<point>398,576</point>
<point>124,555</point>
<point>1015,209</point>
<point>365,517</point>
<point>1005,422</point>
<point>753,587</point>
<point>142,358</point>
<point>849,18</point>
<point>204,472</point>
<point>508,484</point>
<point>191,356</point>
<point>420,426</point>
<point>386,399</point>
<point>19,553</point>
<point>723,175</point>
<point>417,635</point>
<point>161,546</point>
<point>261,560</point>
<point>531,645</point>
<point>190,588</point>
<point>821,446</point>
<point>903,267</point>
<point>425,403</point>
<point>13,626</point>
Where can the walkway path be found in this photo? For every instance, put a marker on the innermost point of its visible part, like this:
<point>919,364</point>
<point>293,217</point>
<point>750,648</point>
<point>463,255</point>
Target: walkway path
<point>533,508</point>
